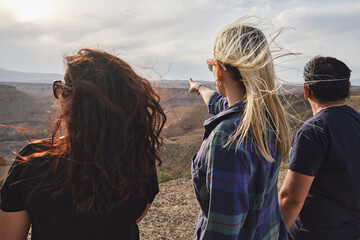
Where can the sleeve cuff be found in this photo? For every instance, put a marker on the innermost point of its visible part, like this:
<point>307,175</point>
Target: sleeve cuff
<point>307,172</point>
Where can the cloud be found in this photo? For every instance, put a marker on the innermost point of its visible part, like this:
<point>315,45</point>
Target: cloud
<point>329,30</point>
<point>173,33</point>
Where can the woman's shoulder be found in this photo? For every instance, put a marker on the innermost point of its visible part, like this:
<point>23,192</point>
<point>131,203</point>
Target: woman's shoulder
<point>32,147</point>
<point>224,131</point>
<point>27,157</point>
<point>229,125</point>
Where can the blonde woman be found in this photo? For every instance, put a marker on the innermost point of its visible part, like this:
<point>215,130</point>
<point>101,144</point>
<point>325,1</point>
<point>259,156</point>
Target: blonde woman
<point>236,169</point>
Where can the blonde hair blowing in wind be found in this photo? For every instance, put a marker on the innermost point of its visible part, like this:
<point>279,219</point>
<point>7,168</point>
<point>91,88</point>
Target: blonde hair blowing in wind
<point>246,48</point>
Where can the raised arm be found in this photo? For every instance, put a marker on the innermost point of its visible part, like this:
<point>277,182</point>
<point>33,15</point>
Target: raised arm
<point>215,102</point>
<point>200,89</point>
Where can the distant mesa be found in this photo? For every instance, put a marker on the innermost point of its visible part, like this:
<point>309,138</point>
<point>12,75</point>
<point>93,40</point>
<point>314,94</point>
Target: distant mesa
<point>16,76</point>
<point>8,93</point>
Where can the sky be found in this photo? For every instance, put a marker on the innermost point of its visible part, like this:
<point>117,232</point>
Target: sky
<point>171,39</point>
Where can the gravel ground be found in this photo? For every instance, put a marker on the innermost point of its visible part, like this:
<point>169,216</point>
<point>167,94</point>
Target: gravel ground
<point>173,213</point>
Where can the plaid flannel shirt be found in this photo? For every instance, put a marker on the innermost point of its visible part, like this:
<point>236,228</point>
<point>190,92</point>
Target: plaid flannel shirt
<point>236,188</point>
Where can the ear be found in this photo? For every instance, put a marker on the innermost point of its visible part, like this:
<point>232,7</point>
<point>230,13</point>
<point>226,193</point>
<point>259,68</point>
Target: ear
<point>306,91</point>
<point>219,72</point>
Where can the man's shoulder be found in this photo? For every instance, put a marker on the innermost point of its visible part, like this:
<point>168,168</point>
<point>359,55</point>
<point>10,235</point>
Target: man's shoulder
<point>342,111</point>
<point>314,124</point>
<point>336,116</point>
<point>330,120</point>
<point>327,116</point>
<point>351,110</point>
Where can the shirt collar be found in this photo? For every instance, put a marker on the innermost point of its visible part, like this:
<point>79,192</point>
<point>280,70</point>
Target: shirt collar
<point>211,123</point>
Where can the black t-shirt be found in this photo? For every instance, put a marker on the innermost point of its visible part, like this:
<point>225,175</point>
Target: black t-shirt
<point>56,219</point>
<point>327,146</point>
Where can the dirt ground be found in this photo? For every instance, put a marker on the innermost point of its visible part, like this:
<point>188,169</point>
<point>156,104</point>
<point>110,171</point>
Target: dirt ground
<point>174,212</point>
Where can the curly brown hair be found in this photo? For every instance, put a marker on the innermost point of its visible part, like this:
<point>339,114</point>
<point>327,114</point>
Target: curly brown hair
<point>110,126</point>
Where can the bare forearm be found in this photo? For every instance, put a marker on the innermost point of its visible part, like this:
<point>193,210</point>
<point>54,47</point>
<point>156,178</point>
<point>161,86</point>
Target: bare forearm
<point>290,211</point>
<point>199,89</point>
<point>205,93</point>
<point>292,195</point>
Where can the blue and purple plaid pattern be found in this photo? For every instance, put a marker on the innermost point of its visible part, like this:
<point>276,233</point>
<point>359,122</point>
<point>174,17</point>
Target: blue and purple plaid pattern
<point>236,188</point>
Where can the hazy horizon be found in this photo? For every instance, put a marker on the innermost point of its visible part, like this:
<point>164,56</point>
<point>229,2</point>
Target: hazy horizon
<point>30,77</point>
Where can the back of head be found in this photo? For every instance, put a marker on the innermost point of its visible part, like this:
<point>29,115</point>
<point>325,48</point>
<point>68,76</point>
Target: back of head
<point>245,51</point>
<point>327,79</point>
<point>112,121</point>
<point>244,47</point>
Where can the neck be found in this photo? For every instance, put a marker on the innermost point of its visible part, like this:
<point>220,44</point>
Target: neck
<point>317,106</point>
<point>234,95</point>
<point>233,91</point>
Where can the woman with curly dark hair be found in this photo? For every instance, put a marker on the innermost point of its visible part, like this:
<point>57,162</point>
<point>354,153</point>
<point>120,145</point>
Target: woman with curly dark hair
<point>95,178</point>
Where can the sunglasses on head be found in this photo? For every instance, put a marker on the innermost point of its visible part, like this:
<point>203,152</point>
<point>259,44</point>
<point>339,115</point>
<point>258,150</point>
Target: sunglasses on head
<point>59,88</point>
<point>211,63</point>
